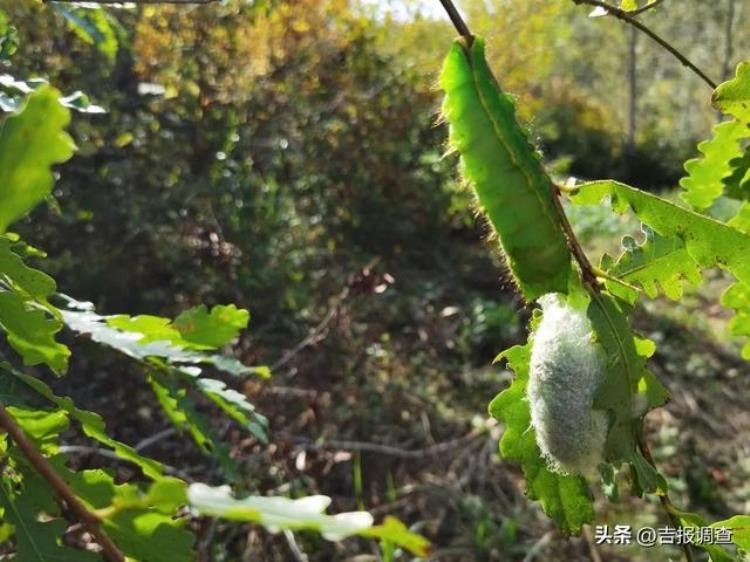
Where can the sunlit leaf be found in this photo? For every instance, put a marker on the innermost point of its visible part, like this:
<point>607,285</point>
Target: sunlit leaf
<point>739,525</point>
<point>143,337</point>
<point>706,175</point>
<point>708,242</point>
<point>31,332</point>
<point>30,507</point>
<point>92,424</point>
<point>138,530</point>
<point>394,531</point>
<point>733,97</point>
<point>181,411</point>
<point>658,265</point>
<point>214,329</point>
<point>92,25</point>
<point>565,498</point>
<point>31,141</point>
<point>278,513</point>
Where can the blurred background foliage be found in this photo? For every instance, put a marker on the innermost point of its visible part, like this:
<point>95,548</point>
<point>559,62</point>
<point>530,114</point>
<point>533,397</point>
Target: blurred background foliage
<point>287,157</point>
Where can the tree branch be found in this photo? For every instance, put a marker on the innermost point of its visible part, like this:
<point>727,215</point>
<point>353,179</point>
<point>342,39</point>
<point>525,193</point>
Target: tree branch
<point>458,21</point>
<point>60,486</point>
<point>389,450</point>
<point>646,8</point>
<point>629,18</point>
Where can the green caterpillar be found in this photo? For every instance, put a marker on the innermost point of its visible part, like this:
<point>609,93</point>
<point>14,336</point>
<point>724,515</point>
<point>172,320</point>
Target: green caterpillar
<point>505,171</point>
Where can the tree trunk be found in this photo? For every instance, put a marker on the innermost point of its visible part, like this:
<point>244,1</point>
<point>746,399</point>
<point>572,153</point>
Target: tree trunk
<point>632,97</point>
<point>729,40</point>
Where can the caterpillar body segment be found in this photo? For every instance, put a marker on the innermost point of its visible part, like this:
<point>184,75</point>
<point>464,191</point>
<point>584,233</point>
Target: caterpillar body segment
<point>505,172</point>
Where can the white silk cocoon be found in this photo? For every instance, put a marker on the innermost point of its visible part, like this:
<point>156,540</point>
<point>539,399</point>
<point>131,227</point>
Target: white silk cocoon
<point>566,368</point>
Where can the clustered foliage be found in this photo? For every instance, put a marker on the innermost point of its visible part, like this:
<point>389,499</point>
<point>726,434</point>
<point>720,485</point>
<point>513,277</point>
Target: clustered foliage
<point>140,521</point>
<point>582,387</point>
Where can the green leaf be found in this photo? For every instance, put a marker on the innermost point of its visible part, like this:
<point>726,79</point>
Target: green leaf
<point>733,97</point>
<point>706,176</point>
<point>167,495</point>
<point>31,332</point>
<point>278,513</point>
<point>31,283</point>
<point>629,5</point>
<point>565,498</point>
<point>92,424</point>
<point>236,406</point>
<point>195,328</point>
<point>737,183</point>
<point>93,26</point>
<point>151,328</point>
<point>393,531</point>
<point>709,243</point>
<point>181,411</point>
<point>77,101</point>
<point>740,525</point>
<point>211,330</point>
<point>145,337</point>
<point>741,221</point>
<point>695,521</point>
<point>737,297</point>
<point>159,344</point>
<point>654,391</point>
<point>617,393</point>
<point>31,141</point>
<point>41,426</point>
<point>659,264</point>
<point>138,529</point>
<point>31,509</point>
<point>8,38</point>
<point>26,316</point>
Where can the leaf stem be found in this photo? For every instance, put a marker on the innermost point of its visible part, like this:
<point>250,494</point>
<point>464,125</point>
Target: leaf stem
<point>629,18</point>
<point>588,274</point>
<point>666,503</point>
<point>609,277</point>
<point>60,486</point>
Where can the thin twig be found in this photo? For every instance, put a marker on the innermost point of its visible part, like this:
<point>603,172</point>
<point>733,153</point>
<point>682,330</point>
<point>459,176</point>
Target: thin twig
<point>630,19</point>
<point>60,486</point>
<point>595,556</point>
<point>107,454</point>
<point>666,503</point>
<point>390,450</point>
<point>587,270</point>
<point>153,439</point>
<point>539,546</point>
<point>297,552</point>
<point>646,8</point>
<point>457,20</point>
<point>318,332</point>
<point>204,544</point>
